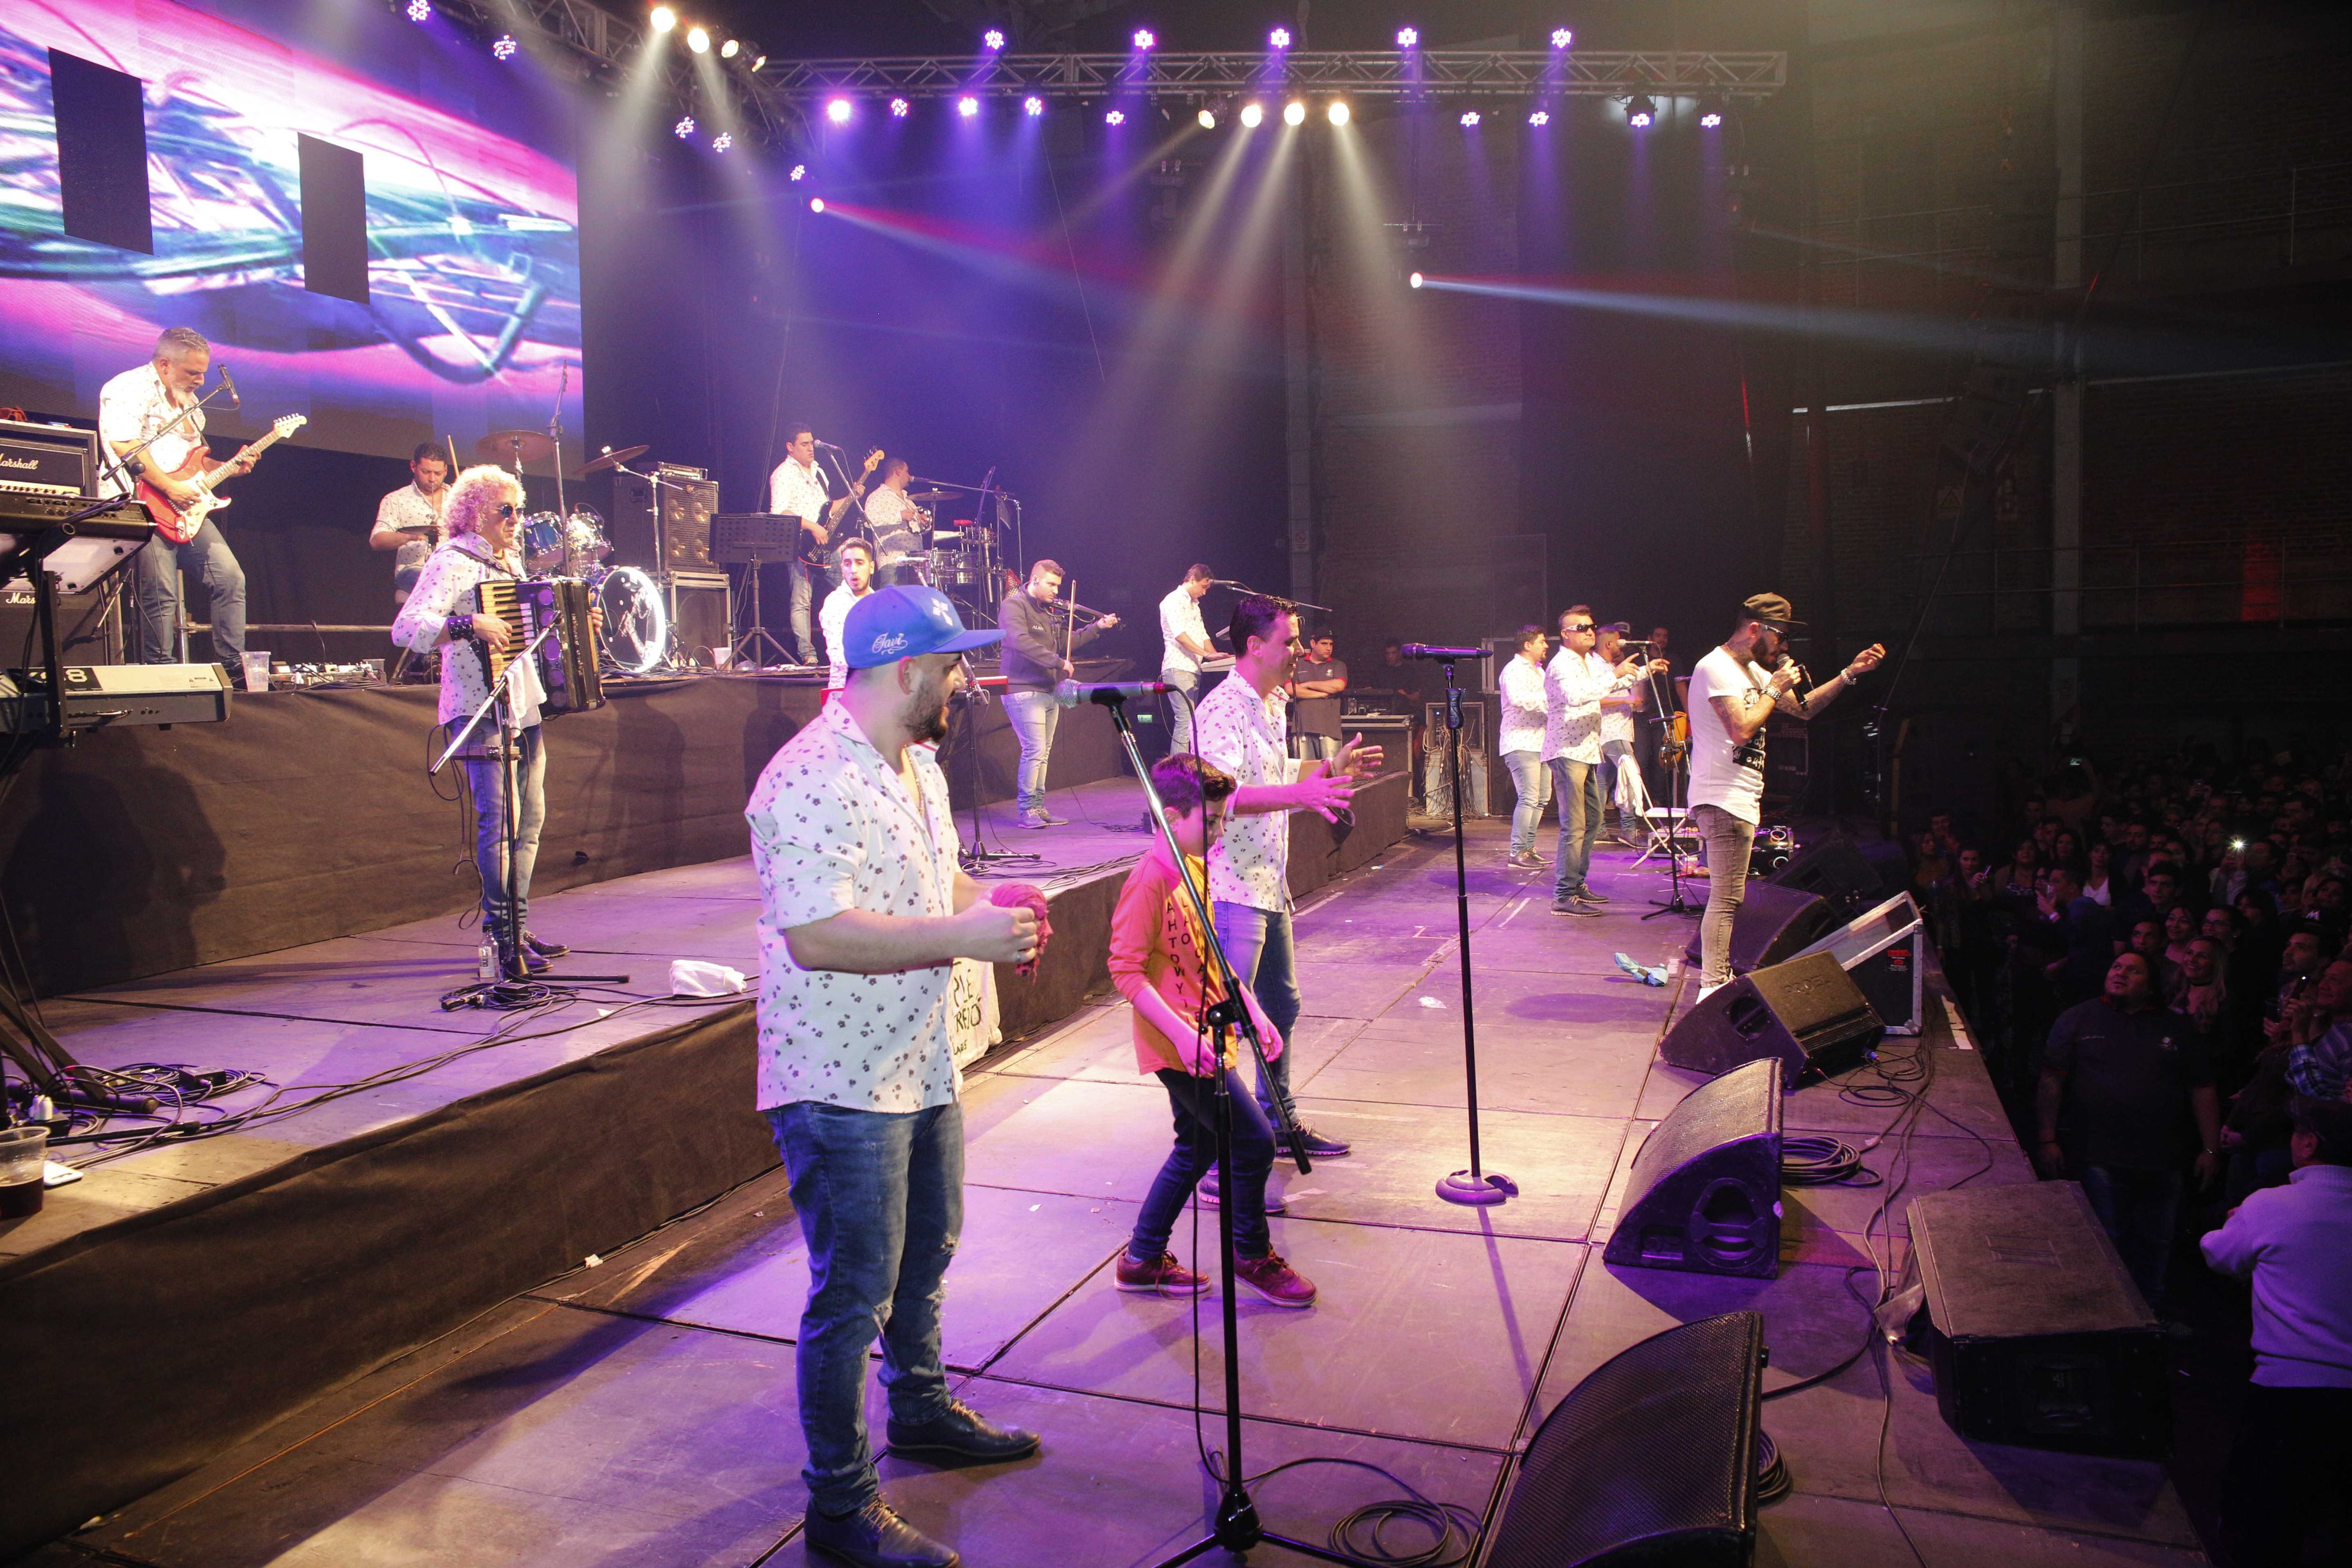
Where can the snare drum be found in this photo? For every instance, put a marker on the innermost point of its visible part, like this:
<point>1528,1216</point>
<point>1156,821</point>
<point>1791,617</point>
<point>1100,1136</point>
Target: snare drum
<point>955,569</point>
<point>584,536</point>
<point>543,541</point>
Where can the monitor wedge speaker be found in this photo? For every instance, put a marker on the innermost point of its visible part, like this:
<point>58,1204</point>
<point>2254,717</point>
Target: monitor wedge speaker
<point>1704,1196</point>
<point>1807,1013</point>
<point>1880,948</point>
<point>1834,870</point>
<point>1650,1461</point>
<point>1774,924</point>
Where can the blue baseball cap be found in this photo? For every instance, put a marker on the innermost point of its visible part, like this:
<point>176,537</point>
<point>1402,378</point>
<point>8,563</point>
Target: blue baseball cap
<point>892,623</point>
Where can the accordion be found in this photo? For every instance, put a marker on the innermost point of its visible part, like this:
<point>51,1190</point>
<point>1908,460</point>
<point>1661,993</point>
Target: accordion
<point>567,660</point>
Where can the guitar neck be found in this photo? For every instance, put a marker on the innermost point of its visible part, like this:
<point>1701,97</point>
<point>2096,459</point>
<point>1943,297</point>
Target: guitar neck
<point>215,476</point>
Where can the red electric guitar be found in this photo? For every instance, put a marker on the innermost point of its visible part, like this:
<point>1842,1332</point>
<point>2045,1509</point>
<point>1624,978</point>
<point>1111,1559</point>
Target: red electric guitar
<point>191,461</point>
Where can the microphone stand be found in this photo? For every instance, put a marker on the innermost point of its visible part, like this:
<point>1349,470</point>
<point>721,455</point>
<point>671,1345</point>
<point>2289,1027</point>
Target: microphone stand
<point>1475,1186</point>
<point>1674,903</point>
<point>977,856</point>
<point>1235,1526</point>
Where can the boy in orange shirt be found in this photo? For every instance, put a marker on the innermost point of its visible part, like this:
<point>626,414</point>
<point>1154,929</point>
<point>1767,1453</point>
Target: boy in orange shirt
<point>1160,963</point>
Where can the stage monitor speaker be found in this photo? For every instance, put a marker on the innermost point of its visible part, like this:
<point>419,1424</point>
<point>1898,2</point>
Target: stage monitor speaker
<point>86,633</point>
<point>2036,1333</point>
<point>1704,1195</point>
<point>701,610</point>
<point>1651,1459</point>
<point>1773,924</point>
<point>1391,733</point>
<point>1807,1014</point>
<point>682,544</point>
<point>1880,948</point>
<point>1834,870</point>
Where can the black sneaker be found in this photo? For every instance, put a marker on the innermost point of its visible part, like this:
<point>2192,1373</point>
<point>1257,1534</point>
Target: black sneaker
<point>1586,895</point>
<point>965,1434</point>
<point>1320,1146</point>
<point>1568,906</point>
<point>544,949</point>
<point>876,1536</point>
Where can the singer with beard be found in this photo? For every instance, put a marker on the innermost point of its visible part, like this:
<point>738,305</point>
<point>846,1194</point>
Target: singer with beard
<point>1734,690</point>
<point>864,913</point>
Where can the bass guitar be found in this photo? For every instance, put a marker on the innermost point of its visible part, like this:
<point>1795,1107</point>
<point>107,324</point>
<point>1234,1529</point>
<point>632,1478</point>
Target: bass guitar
<point>819,541</point>
<point>182,523</point>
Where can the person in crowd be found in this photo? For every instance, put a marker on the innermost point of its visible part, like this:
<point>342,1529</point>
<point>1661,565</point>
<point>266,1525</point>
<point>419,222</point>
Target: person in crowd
<point>1520,741</point>
<point>2319,1035</point>
<point>1931,867</point>
<point>2066,849</point>
<point>1160,961</point>
<point>2126,1086</point>
<point>2012,882</point>
<point>2081,933</point>
<point>2098,879</point>
<point>2306,953</point>
<point>2147,939</point>
<point>2180,930</point>
<point>2201,991</point>
<point>2294,1244</point>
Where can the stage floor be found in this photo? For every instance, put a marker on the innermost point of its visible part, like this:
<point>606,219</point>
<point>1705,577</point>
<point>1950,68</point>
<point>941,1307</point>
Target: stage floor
<point>641,1412</point>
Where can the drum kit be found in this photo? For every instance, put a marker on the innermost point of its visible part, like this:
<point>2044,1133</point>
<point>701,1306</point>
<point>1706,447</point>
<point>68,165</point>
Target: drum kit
<point>576,543</point>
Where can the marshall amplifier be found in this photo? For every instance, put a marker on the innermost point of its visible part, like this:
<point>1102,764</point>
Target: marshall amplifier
<point>49,460</point>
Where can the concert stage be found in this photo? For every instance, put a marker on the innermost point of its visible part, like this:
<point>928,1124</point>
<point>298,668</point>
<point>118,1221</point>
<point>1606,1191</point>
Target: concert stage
<point>640,1411</point>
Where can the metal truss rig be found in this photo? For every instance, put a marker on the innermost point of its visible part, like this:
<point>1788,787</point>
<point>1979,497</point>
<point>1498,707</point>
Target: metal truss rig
<point>1433,73</point>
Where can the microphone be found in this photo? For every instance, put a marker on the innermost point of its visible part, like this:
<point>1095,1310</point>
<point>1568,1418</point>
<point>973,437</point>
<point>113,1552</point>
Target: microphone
<point>234,400</point>
<point>1431,650</point>
<point>1106,693</point>
<point>826,444</point>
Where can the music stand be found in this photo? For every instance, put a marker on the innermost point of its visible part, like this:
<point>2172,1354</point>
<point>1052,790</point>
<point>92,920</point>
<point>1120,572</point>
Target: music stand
<point>750,540</point>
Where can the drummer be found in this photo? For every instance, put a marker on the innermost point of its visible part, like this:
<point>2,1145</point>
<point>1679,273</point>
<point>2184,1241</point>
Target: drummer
<point>409,520</point>
<point>897,525</point>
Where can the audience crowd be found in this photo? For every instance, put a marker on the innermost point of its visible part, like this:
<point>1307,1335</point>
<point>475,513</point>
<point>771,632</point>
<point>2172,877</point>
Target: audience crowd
<point>2153,960</point>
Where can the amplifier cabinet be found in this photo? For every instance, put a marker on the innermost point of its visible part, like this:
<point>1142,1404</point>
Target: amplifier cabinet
<point>2037,1334</point>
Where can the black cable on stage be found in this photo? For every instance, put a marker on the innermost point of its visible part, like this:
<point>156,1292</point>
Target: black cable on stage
<point>1823,1161</point>
<point>1773,1480</point>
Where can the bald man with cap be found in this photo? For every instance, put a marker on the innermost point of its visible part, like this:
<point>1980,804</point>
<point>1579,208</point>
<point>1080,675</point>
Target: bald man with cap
<point>1734,690</point>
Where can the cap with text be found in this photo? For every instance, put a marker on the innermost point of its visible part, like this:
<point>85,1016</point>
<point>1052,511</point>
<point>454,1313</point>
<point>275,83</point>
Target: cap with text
<point>905,622</point>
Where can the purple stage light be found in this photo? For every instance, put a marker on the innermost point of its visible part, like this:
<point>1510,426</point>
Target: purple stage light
<point>840,109</point>
<point>724,140</point>
<point>800,173</point>
<point>967,106</point>
<point>1144,40</point>
<point>504,50</point>
<point>1114,118</point>
<point>1408,37</point>
<point>1469,117</point>
<point>1561,37</point>
<point>1641,110</point>
<point>684,128</point>
<point>1033,106</point>
<point>1278,39</point>
<point>901,108</point>
<point>992,39</point>
<point>420,10</point>
<point>1540,118</point>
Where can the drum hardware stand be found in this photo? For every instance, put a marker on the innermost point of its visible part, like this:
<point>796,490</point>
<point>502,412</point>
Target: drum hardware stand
<point>508,991</point>
<point>977,856</point>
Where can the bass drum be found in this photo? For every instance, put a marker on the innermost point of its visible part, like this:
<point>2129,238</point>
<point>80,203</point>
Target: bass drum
<point>635,639</point>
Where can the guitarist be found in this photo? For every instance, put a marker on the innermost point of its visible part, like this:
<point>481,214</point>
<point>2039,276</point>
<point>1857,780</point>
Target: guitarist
<point>158,399</point>
<point>797,489</point>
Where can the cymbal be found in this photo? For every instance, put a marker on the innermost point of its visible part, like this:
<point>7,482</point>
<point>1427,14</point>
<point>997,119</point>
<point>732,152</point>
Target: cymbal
<point>918,497</point>
<point>614,460</point>
<point>514,446</point>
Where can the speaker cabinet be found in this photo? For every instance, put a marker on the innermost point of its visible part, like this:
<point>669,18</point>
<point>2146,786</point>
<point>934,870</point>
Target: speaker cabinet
<point>678,540</point>
<point>1834,870</point>
<point>1773,924</point>
<point>87,632</point>
<point>1880,948</point>
<point>2036,1333</point>
<point>1706,1191</point>
<point>1807,1014</point>
<point>1651,1459</point>
<point>700,606</point>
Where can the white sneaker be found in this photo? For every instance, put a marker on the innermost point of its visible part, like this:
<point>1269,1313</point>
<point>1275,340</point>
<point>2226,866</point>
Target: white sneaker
<point>1705,991</point>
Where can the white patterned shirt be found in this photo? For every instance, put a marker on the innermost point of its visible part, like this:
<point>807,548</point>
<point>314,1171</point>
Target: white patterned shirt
<point>833,618</point>
<point>410,507</point>
<point>1248,736</point>
<point>446,588</point>
<point>1524,716</point>
<point>134,407</point>
<point>1180,615</point>
<point>833,828</point>
<point>1574,684</point>
<point>797,492</point>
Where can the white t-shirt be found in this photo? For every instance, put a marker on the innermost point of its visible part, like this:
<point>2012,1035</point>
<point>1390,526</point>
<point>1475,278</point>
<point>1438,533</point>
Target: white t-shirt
<point>1180,615</point>
<point>1718,779</point>
<point>833,618</point>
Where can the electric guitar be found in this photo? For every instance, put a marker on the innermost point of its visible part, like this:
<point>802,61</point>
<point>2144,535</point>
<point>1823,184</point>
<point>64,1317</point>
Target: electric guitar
<point>178,523</point>
<point>813,551</point>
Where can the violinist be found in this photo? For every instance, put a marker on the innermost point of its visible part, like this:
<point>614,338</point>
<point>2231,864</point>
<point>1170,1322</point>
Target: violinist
<point>1035,658</point>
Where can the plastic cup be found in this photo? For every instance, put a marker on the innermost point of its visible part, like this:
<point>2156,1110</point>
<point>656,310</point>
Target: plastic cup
<point>256,671</point>
<point>24,1162</point>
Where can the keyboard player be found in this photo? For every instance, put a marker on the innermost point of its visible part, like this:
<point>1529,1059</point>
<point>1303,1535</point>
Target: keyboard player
<point>483,520</point>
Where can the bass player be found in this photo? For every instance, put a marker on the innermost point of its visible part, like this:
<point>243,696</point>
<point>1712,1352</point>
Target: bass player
<point>157,403</point>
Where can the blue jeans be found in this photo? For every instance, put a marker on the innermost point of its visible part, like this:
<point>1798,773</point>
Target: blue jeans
<point>1195,1102</point>
<point>486,778</point>
<point>1533,781</point>
<point>1187,683</point>
<point>804,640</point>
<point>880,1200</point>
<point>1576,786</point>
<point>1034,716</point>
<point>2140,1210</point>
<point>209,556</point>
<point>1258,945</point>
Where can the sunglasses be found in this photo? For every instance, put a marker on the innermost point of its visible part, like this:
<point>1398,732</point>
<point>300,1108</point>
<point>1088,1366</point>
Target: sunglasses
<point>507,509</point>
<point>1584,628</point>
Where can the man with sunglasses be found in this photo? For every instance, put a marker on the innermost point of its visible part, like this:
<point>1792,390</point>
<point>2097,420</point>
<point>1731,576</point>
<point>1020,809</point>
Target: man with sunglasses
<point>1575,682</point>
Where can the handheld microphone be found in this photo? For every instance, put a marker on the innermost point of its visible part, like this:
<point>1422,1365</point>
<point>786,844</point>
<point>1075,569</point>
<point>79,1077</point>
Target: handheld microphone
<point>1431,650</point>
<point>234,400</point>
<point>1106,693</point>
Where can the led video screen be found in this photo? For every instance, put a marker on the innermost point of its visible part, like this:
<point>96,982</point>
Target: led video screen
<point>472,317</point>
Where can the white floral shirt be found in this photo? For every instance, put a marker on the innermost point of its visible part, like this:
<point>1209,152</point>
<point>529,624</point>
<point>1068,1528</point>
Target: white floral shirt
<point>1248,736</point>
<point>833,828</point>
<point>446,588</point>
<point>1523,717</point>
<point>1574,684</point>
<point>137,407</point>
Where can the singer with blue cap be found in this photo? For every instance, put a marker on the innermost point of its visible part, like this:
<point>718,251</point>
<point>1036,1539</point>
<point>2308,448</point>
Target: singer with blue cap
<point>864,913</point>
